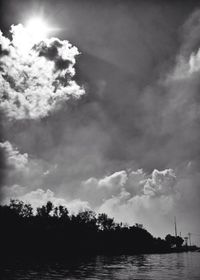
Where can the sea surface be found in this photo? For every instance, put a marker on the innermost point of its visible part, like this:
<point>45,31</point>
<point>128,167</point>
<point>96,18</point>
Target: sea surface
<point>184,266</point>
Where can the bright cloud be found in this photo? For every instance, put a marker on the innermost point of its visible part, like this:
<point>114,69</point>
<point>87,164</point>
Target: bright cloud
<point>14,159</point>
<point>35,78</point>
<point>39,197</point>
<point>134,196</point>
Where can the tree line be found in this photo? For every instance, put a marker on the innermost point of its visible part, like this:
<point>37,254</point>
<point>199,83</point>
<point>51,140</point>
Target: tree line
<point>52,232</point>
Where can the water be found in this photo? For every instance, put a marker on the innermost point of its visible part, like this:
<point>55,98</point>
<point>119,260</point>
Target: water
<point>184,266</point>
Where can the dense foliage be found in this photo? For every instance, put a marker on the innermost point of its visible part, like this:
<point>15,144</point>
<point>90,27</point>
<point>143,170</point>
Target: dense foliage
<point>52,232</point>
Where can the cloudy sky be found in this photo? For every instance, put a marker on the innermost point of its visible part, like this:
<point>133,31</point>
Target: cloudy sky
<point>104,114</point>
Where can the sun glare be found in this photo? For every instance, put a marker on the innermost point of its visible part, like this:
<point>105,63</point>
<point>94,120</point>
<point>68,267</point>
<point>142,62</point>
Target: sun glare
<point>33,31</point>
<point>37,28</point>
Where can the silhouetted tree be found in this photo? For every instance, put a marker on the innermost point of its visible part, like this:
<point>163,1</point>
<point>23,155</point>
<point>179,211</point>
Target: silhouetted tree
<point>45,210</point>
<point>63,211</point>
<point>53,232</point>
<point>179,241</point>
<point>174,240</point>
<point>139,225</point>
<point>20,208</point>
<point>104,222</point>
<point>49,207</point>
<point>86,216</point>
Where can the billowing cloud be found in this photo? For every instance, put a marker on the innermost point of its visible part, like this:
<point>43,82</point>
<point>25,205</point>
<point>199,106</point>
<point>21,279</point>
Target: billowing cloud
<point>157,183</point>
<point>14,159</point>
<point>134,196</point>
<point>35,78</point>
<point>160,183</point>
<point>131,183</point>
<point>39,197</point>
<point>117,179</point>
<point>22,170</point>
<point>110,182</point>
<point>152,199</point>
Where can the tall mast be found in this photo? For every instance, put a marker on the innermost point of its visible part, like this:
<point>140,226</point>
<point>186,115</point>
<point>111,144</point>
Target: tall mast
<point>175,228</point>
<point>189,237</point>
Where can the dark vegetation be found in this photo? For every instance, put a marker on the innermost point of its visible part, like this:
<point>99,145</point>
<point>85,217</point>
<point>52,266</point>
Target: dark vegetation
<point>51,232</point>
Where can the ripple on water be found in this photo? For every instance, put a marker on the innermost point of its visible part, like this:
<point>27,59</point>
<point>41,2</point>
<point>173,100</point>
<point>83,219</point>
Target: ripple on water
<point>184,266</point>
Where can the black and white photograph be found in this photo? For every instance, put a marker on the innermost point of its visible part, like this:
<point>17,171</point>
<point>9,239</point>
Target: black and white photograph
<point>100,139</point>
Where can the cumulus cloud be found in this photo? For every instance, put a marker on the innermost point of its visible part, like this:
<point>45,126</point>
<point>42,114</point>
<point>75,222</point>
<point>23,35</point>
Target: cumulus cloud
<point>36,78</point>
<point>117,180</point>
<point>186,69</point>
<point>136,182</point>
<point>14,159</point>
<point>39,197</point>
<point>131,188</point>
<point>135,196</point>
<point>14,165</point>
<point>152,199</point>
<point>160,183</point>
<point>113,181</point>
<point>21,171</point>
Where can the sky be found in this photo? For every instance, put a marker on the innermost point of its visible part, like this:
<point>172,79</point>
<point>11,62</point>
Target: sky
<point>104,114</point>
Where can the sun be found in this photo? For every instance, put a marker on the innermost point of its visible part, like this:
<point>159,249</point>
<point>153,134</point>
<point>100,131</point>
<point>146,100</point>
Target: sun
<point>31,32</point>
<point>37,28</point>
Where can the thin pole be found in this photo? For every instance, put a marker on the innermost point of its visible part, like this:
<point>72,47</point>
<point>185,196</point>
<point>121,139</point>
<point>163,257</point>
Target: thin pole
<point>175,228</point>
<point>189,235</point>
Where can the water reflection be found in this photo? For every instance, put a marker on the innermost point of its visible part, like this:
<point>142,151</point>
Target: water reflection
<point>166,266</point>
